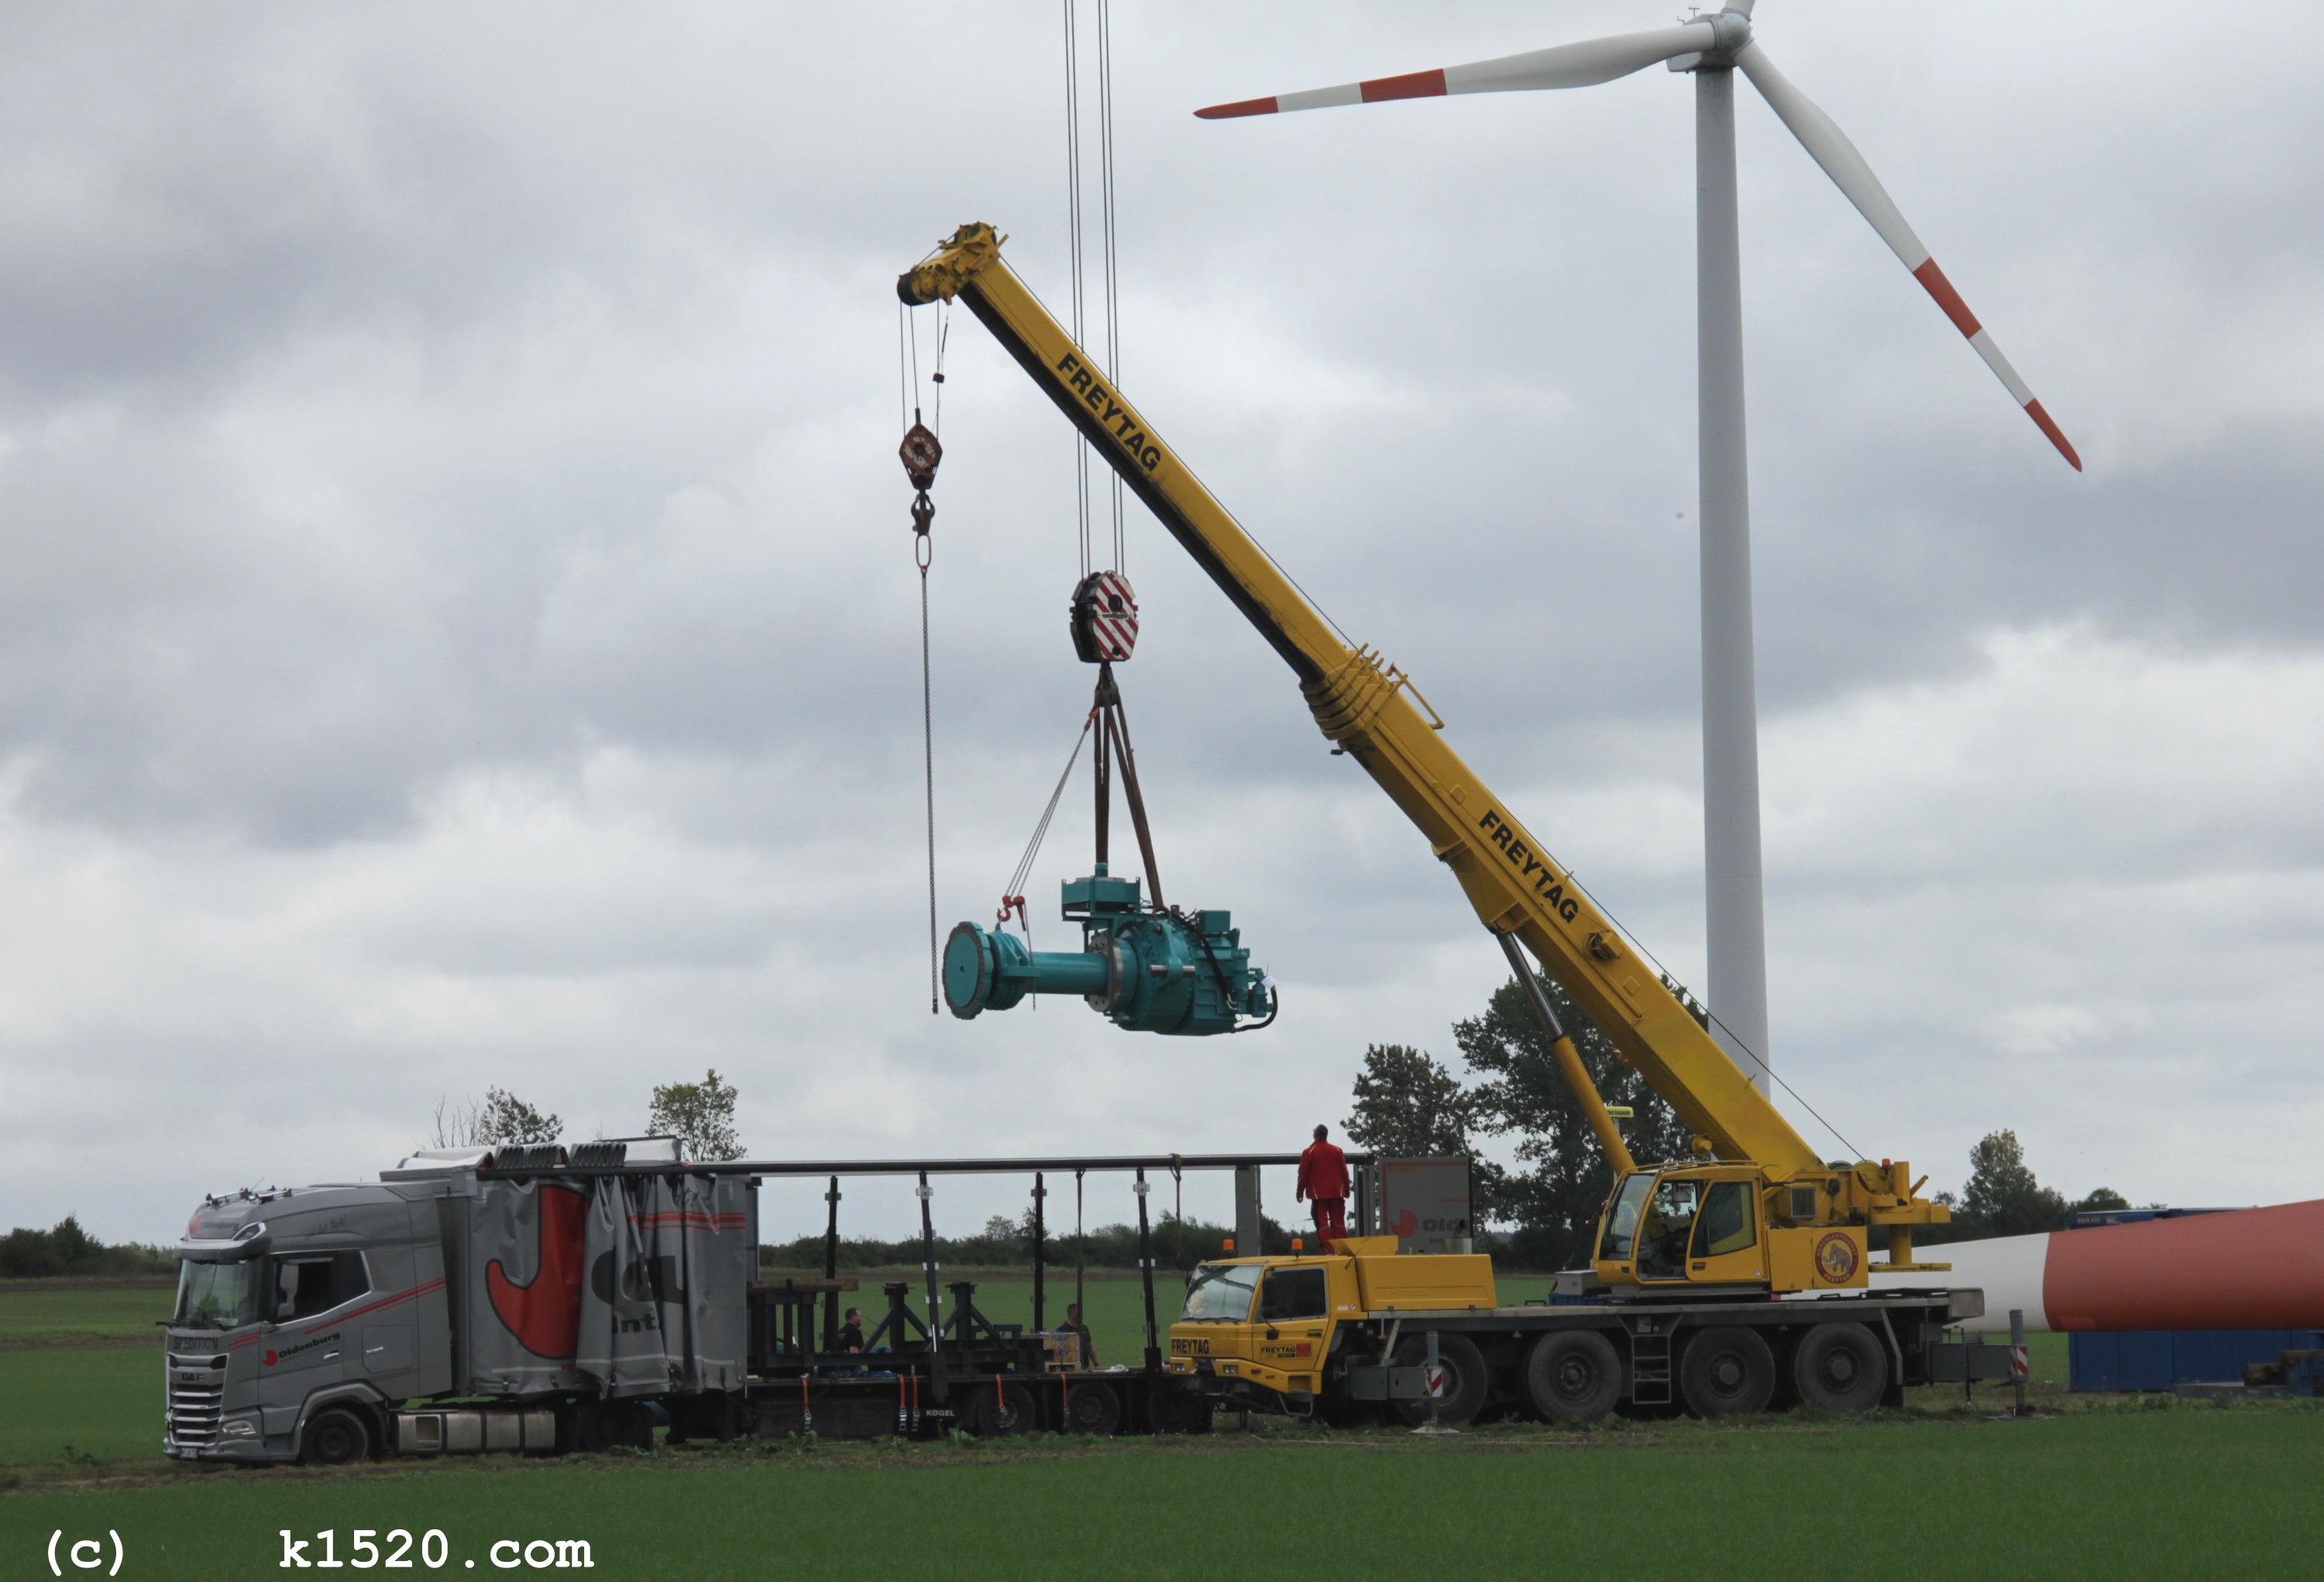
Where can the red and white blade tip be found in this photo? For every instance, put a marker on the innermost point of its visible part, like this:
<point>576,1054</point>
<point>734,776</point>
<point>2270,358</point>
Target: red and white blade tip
<point>1933,280</point>
<point>1372,90</point>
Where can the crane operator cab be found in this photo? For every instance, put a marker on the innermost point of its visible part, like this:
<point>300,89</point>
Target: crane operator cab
<point>1724,1224</point>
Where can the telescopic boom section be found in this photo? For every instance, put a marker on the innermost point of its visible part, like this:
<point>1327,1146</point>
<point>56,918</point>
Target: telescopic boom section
<point>1371,709</point>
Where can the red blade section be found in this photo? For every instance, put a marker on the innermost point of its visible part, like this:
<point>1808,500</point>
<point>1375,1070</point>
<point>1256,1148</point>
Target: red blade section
<point>1265,106</point>
<point>1411,85</point>
<point>2253,1269</point>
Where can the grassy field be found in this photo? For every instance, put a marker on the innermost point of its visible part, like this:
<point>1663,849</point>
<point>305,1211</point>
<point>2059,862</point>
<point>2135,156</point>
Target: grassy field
<point>2110,1487</point>
<point>2171,1492</point>
<point>41,1312</point>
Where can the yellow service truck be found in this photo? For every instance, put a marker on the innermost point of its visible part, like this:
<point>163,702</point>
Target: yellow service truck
<point>1340,1335</point>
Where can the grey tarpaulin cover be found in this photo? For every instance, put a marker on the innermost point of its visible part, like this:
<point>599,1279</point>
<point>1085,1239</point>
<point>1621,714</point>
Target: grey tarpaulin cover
<point>615,1286</point>
<point>670,1258</point>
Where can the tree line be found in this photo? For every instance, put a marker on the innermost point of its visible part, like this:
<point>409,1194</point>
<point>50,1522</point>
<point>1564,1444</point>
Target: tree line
<point>1007,1244</point>
<point>67,1249</point>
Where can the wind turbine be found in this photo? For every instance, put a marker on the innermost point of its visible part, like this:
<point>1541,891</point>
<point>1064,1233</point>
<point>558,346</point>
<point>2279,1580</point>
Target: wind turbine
<point>1713,47</point>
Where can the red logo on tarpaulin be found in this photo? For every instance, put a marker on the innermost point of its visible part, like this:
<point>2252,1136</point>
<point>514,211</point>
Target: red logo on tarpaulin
<point>545,1314</point>
<point>1405,1223</point>
<point>271,1358</point>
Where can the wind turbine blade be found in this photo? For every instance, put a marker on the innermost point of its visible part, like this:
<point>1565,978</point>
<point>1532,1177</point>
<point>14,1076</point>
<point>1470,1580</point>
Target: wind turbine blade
<point>1579,65</point>
<point>1830,146</point>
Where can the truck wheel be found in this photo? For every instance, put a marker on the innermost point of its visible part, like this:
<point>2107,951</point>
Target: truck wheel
<point>1840,1367</point>
<point>335,1438</point>
<point>1573,1375</point>
<point>1465,1379</point>
<point>1727,1373</point>
<point>1001,1410</point>
<point>1092,1408</point>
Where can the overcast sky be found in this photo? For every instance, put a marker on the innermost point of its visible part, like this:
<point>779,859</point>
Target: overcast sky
<point>460,626</point>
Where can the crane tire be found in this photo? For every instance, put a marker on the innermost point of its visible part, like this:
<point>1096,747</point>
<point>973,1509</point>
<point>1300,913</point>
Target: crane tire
<point>1573,1375</point>
<point>334,1437</point>
<point>1840,1367</point>
<point>1466,1380</point>
<point>1727,1371</point>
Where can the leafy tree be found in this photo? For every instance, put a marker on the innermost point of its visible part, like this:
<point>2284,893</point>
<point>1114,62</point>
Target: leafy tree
<point>1410,1106</point>
<point>500,1116</point>
<point>75,1245</point>
<point>699,1114</point>
<point>1555,1195</point>
<point>509,1119</point>
<point>2102,1198</point>
<point>26,1255</point>
<point>2001,1198</point>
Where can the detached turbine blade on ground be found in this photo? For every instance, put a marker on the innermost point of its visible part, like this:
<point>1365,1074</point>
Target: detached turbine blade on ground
<point>1579,65</point>
<point>1830,146</point>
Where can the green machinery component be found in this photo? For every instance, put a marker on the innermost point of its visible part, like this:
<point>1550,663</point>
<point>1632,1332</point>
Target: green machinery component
<point>1151,971</point>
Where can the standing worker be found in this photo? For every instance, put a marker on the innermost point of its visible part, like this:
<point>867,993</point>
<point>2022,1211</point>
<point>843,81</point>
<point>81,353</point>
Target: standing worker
<point>1324,1181</point>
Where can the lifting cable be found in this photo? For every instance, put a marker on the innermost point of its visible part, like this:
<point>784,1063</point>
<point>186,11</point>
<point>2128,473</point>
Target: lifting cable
<point>920,452</point>
<point>1012,898</point>
<point>1076,232</point>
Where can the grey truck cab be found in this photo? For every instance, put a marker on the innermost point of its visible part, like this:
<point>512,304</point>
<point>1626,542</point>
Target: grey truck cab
<point>328,1323</point>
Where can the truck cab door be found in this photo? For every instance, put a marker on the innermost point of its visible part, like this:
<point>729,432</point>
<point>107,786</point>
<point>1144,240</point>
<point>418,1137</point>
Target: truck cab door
<point>1666,1229</point>
<point>1727,1247</point>
<point>1294,1316</point>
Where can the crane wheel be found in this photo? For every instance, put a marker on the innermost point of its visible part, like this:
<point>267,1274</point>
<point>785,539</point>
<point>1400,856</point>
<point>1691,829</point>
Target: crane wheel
<point>1573,1375</point>
<point>1465,1379</point>
<point>1840,1367</point>
<point>1727,1373</point>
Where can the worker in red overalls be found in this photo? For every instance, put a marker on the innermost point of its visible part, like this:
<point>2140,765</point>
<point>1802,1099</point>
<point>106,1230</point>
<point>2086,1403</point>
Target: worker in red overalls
<point>1324,1181</point>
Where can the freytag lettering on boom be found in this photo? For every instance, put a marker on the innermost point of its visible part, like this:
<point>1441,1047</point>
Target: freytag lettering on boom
<point>1547,886</point>
<point>1109,409</point>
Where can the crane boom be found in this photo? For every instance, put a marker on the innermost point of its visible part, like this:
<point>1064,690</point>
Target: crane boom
<point>1371,711</point>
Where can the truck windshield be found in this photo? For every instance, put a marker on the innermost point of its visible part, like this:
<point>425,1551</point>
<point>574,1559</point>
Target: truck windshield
<point>1222,1291</point>
<point>1622,1218</point>
<point>218,1296</point>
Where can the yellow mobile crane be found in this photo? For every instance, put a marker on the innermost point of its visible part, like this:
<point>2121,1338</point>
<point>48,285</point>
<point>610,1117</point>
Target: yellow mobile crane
<point>1752,1214</point>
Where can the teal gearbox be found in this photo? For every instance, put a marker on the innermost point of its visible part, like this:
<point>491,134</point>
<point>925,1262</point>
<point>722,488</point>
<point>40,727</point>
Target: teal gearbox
<point>1149,971</point>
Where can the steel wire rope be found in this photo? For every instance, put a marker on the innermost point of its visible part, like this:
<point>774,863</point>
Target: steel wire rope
<point>1024,869</point>
<point>1283,571</point>
<point>1075,252</point>
<point>907,331</point>
<point>1113,292</point>
<point>1670,977</point>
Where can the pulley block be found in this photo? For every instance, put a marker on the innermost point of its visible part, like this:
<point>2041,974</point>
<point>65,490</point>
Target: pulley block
<point>920,452</point>
<point>1104,619</point>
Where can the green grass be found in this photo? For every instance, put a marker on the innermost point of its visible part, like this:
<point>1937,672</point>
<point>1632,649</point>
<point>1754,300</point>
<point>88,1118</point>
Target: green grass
<point>2177,1492</point>
<point>105,1401</point>
<point>43,1312</point>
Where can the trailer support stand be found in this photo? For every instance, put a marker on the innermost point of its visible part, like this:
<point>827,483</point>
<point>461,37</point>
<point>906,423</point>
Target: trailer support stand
<point>1039,1192</point>
<point>1146,1272</point>
<point>830,1269</point>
